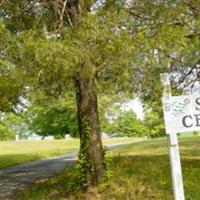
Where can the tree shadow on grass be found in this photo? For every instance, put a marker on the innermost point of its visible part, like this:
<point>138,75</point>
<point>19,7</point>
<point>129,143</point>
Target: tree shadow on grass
<point>154,170</point>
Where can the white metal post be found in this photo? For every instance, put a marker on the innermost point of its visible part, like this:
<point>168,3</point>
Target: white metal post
<point>175,162</point>
<point>175,167</point>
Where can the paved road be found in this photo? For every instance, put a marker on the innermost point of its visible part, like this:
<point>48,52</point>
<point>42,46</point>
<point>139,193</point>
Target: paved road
<point>15,179</point>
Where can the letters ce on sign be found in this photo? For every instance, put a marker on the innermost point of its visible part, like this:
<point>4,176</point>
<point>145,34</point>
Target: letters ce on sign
<point>182,113</point>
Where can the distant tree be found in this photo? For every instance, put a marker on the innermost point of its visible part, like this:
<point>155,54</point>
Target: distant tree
<point>12,125</point>
<point>126,123</point>
<point>155,124</point>
<point>56,117</point>
<point>6,133</point>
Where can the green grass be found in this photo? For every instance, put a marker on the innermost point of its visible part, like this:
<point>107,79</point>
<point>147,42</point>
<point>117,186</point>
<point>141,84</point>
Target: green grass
<point>151,167</point>
<point>140,171</point>
<point>189,147</point>
<point>13,153</point>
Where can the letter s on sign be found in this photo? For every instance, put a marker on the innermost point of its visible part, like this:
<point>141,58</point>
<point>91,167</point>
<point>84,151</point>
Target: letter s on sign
<point>198,103</point>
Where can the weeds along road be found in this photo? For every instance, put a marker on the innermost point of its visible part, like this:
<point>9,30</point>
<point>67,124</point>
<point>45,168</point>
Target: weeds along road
<point>15,179</point>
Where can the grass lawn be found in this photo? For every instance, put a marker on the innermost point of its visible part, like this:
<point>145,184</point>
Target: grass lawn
<point>139,171</point>
<point>13,153</point>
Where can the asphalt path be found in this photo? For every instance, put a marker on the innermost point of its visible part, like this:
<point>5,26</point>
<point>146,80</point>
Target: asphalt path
<point>14,179</point>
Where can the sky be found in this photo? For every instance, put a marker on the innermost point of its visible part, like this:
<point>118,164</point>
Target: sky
<point>136,106</point>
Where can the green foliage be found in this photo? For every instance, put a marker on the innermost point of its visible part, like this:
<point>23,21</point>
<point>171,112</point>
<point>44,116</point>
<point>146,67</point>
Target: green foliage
<point>84,164</point>
<point>125,123</point>
<point>56,117</point>
<point>165,39</point>
<point>107,162</point>
<point>11,125</point>
<point>11,82</point>
<point>22,15</point>
<point>91,49</point>
<point>9,92</point>
<point>117,42</point>
<point>5,133</point>
<point>155,124</point>
<point>153,119</point>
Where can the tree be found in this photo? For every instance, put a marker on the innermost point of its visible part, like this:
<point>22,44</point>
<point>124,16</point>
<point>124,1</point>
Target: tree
<point>170,43</point>
<point>126,123</point>
<point>50,116</point>
<point>168,40</point>
<point>64,47</point>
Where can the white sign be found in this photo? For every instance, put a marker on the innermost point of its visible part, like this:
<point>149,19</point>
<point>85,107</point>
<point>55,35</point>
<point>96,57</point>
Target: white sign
<point>182,113</point>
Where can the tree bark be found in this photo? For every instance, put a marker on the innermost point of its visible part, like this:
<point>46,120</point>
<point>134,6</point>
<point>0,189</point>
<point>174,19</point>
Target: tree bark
<point>91,151</point>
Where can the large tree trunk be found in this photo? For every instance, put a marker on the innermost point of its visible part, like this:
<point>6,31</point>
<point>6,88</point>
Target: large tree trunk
<point>91,151</point>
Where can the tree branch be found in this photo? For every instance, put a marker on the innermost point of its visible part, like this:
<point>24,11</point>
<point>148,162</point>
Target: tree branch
<point>193,9</point>
<point>2,2</point>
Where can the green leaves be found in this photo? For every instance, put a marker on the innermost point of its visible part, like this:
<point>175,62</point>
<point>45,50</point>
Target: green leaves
<point>11,81</point>
<point>48,116</point>
<point>155,124</point>
<point>125,123</point>
<point>11,125</point>
<point>128,125</point>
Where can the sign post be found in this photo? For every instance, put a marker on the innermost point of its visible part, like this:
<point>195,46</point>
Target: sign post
<point>175,162</point>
